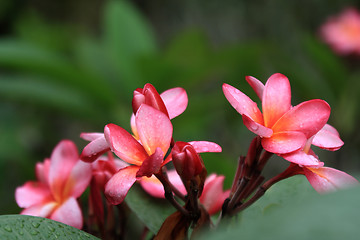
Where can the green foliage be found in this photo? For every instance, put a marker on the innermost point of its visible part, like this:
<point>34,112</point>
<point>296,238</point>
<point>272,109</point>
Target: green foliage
<point>290,211</point>
<point>151,211</point>
<point>31,228</point>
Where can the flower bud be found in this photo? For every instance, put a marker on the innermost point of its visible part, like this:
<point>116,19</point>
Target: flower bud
<point>187,162</point>
<point>148,95</point>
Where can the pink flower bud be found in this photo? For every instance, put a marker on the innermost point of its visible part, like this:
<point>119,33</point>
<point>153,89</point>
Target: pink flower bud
<point>148,95</point>
<point>187,162</point>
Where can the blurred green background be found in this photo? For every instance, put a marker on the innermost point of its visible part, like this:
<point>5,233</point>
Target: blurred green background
<point>68,67</point>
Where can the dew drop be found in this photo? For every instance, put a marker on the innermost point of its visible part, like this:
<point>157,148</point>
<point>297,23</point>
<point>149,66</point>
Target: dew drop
<point>35,224</point>
<point>34,232</point>
<point>51,228</point>
<point>8,228</point>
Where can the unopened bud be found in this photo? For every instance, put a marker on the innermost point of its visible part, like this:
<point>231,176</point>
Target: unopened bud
<point>187,161</point>
<point>148,95</point>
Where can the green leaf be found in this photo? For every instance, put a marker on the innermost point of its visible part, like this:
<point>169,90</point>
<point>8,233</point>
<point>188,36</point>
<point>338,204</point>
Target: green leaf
<point>126,38</point>
<point>304,215</point>
<point>29,227</point>
<point>32,59</point>
<point>45,93</point>
<point>152,212</point>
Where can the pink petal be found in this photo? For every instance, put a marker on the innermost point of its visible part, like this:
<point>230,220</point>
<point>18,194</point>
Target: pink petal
<point>124,145</point>
<point>256,85</point>
<point>175,100</point>
<point>78,180</point>
<point>32,193</point>
<point>328,138</point>
<point>151,165</point>
<point>242,103</point>
<point>205,146</point>
<point>303,159</point>
<point>256,128</point>
<point>69,213</point>
<point>95,149</point>
<point>276,99</point>
<point>42,171</point>
<point>63,159</point>
<point>40,210</point>
<point>133,126</point>
<point>284,142</point>
<point>119,185</point>
<point>91,136</point>
<point>154,129</point>
<point>328,179</point>
<point>213,195</point>
<point>154,187</point>
<point>308,117</point>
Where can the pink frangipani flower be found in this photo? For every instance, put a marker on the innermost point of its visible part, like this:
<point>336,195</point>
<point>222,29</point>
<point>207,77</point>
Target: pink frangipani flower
<point>60,181</point>
<point>342,32</point>
<point>171,102</point>
<point>211,198</point>
<point>145,155</point>
<point>322,179</point>
<point>283,128</point>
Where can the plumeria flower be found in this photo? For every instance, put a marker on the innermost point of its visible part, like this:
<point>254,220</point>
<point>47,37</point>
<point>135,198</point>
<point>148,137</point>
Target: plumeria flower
<point>322,179</point>
<point>171,102</point>
<point>342,32</point>
<point>60,181</point>
<point>145,155</point>
<point>283,128</point>
<point>212,197</point>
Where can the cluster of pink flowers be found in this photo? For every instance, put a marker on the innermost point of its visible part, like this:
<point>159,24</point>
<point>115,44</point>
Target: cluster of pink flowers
<point>342,32</point>
<point>145,155</point>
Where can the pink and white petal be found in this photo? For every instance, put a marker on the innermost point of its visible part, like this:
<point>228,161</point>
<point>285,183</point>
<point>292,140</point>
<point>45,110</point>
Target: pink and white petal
<point>307,117</point>
<point>327,179</point>
<point>154,187</point>
<point>78,180</point>
<point>42,171</point>
<point>151,165</point>
<point>256,128</point>
<point>69,213</point>
<point>95,149</point>
<point>63,159</point>
<point>154,129</point>
<point>213,195</point>
<point>276,100</point>
<point>32,193</point>
<point>205,146</point>
<point>284,142</point>
<point>125,146</point>
<point>40,210</point>
<point>301,158</point>
<point>257,85</point>
<point>133,126</point>
<point>328,139</point>
<point>91,136</point>
<point>242,103</point>
<point>175,100</point>
<point>119,184</point>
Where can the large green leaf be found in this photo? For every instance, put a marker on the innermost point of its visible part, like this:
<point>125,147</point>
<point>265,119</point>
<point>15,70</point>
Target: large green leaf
<point>31,228</point>
<point>32,59</point>
<point>127,37</point>
<point>152,212</point>
<point>45,93</point>
<point>303,215</point>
